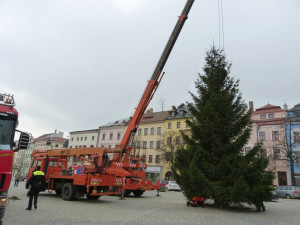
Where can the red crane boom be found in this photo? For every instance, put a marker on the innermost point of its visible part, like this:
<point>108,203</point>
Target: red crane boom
<point>154,81</point>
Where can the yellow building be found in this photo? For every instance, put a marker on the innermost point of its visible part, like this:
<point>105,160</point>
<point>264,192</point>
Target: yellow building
<point>148,140</point>
<point>157,133</point>
<point>174,124</point>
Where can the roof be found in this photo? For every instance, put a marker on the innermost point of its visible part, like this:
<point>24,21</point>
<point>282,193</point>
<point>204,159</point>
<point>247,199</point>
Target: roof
<point>296,107</point>
<point>268,109</point>
<point>84,131</point>
<point>151,117</point>
<point>182,111</point>
<point>47,137</point>
<point>57,139</point>
<point>121,122</point>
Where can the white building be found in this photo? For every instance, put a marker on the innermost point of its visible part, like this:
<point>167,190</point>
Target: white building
<point>84,139</point>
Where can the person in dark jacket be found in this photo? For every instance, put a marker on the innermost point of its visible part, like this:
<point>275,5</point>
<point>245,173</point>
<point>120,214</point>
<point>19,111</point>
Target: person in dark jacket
<point>37,183</point>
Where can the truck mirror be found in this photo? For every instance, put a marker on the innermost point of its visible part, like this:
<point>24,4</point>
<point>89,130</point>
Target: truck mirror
<point>24,140</point>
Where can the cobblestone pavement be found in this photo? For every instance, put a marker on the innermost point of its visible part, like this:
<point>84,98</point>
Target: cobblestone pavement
<point>169,208</point>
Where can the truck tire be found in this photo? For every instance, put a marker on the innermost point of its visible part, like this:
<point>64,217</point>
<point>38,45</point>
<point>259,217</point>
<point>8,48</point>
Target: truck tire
<point>92,197</point>
<point>138,193</point>
<point>57,192</point>
<point>126,193</point>
<point>68,192</point>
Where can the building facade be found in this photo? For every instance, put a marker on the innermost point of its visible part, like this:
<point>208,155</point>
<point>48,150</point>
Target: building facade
<point>174,124</point>
<point>26,162</point>
<point>292,126</point>
<point>147,142</point>
<point>268,128</point>
<point>111,134</point>
<point>84,139</point>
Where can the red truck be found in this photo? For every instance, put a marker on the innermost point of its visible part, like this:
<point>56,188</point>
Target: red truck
<point>90,171</point>
<point>8,124</point>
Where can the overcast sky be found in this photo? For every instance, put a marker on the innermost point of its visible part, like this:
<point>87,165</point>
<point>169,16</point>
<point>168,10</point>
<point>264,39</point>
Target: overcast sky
<point>75,65</point>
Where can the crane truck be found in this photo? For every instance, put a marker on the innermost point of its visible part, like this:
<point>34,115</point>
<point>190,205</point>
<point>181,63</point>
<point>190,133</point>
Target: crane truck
<point>8,124</point>
<point>104,171</point>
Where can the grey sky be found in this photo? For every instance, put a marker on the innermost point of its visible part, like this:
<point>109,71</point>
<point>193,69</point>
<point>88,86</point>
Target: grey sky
<point>75,65</point>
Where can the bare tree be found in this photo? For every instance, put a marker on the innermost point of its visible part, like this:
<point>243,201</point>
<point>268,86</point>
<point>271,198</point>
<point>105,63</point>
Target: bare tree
<point>284,149</point>
<point>170,142</point>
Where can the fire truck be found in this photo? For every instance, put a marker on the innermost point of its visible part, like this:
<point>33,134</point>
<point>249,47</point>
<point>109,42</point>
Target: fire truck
<point>103,171</point>
<point>8,124</point>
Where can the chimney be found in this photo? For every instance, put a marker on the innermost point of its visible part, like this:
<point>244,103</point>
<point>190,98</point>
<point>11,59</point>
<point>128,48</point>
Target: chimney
<point>251,106</point>
<point>285,107</point>
<point>150,110</point>
<point>173,107</point>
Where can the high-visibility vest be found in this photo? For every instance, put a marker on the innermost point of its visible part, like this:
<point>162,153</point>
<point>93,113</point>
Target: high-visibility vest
<point>36,173</point>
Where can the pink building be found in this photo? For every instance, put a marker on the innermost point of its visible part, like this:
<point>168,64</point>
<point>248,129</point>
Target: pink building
<point>268,127</point>
<point>111,134</point>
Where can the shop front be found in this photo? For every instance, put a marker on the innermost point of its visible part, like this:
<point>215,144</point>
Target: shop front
<point>153,173</point>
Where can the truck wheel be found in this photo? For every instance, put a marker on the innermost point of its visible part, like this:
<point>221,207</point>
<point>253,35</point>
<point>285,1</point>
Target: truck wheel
<point>138,193</point>
<point>58,192</point>
<point>126,193</point>
<point>92,197</point>
<point>68,192</point>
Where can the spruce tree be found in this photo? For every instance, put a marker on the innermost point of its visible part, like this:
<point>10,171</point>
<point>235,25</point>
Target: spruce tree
<point>212,163</point>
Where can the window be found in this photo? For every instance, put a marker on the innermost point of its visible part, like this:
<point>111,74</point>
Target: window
<point>157,159</point>
<point>146,131</point>
<point>247,149</point>
<point>56,146</point>
<point>85,138</point>
<point>169,125</point>
<point>109,146</point>
<point>111,136</point>
<point>169,141</point>
<point>276,153</point>
<point>263,116</point>
<point>275,135</point>
<point>152,131</point>
<point>177,141</point>
<point>158,145</point>
<point>168,156</point>
<point>118,136</point>
<point>262,136</point>
<point>186,125</point>
<point>84,146</point>
<point>76,146</point>
<point>271,115</point>
<point>81,138</point>
<point>296,137</point>
<point>159,130</point>
<point>138,144</point>
<point>178,124</point>
<point>103,136</point>
<point>92,146</point>
<point>144,144</point>
<point>93,137</point>
<point>77,138</point>
<point>72,139</point>
<point>264,153</point>
<point>151,144</point>
<point>150,159</point>
<point>80,146</point>
<point>139,132</point>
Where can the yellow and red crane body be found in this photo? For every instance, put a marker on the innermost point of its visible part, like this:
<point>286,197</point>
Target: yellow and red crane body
<point>80,167</point>
<point>91,169</point>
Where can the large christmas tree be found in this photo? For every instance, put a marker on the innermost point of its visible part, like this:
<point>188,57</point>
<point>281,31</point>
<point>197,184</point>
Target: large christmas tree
<point>212,163</point>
